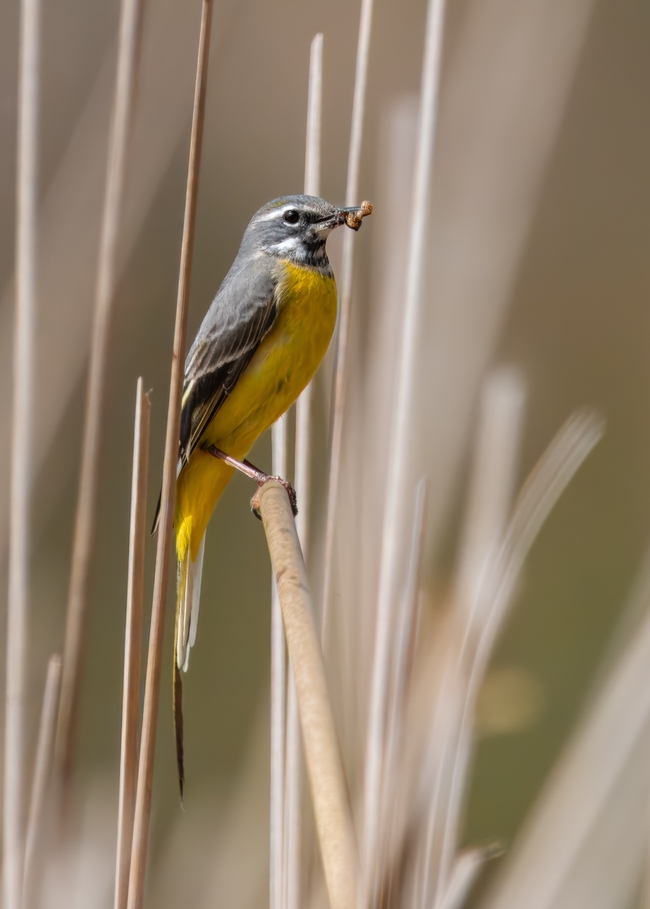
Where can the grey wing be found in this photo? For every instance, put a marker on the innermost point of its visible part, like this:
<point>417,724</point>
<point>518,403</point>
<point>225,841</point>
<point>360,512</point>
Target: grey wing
<point>238,319</point>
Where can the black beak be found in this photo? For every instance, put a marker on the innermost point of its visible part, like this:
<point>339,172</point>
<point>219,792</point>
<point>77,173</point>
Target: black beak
<point>351,216</point>
<point>329,222</point>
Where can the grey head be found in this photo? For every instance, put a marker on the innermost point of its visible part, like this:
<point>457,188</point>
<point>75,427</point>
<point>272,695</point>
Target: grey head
<point>293,228</point>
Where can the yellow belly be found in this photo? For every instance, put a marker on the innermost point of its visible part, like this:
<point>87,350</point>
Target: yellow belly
<point>282,366</point>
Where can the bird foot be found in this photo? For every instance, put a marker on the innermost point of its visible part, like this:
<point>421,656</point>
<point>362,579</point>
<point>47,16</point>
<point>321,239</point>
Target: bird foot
<point>250,470</point>
<point>291,492</point>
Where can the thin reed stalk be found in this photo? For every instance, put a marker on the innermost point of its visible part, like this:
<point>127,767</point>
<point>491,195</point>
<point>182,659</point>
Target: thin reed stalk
<point>21,455</point>
<point>314,117</point>
<point>292,786</point>
<point>278,747</point>
<point>407,620</point>
<point>584,841</point>
<point>279,443</point>
<point>337,405</point>
<point>398,461</point>
<point>555,469</point>
<point>467,868</point>
<point>311,188</point>
<point>406,624</point>
<point>303,489</point>
<point>492,483</point>
<point>42,776</point>
<point>107,273</point>
<point>488,507</point>
<point>163,554</point>
<point>324,765</point>
<point>132,646</point>
<point>539,495</point>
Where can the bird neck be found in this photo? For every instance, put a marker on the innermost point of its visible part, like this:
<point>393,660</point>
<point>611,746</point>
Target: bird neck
<point>304,253</point>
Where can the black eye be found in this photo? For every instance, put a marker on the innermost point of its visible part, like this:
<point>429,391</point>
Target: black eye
<point>291,216</point>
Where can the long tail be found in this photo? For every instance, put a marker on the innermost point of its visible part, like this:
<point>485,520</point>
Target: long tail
<point>187,614</point>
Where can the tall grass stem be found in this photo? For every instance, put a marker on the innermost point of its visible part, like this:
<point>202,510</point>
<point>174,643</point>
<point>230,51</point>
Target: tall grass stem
<point>42,776</point>
<point>21,454</point>
<point>337,404</point>
<point>311,188</point>
<point>557,466</point>
<point>132,646</point>
<point>292,787</point>
<point>406,628</point>
<point>467,867</point>
<point>325,769</point>
<point>398,486</point>
<point>489,504</point>
<point>302,482</point>
<point>163,554</point>
<point>277,855</point>
<point>314,117</point>
<point>107,275</point>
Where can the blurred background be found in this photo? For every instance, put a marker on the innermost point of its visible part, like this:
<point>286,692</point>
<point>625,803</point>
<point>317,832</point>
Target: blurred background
<point>538,259</point>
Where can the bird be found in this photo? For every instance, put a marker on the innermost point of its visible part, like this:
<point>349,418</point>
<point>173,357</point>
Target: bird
<point>259,345</point>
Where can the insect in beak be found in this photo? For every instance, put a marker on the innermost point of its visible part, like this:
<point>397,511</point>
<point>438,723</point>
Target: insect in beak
<point>350,216</point>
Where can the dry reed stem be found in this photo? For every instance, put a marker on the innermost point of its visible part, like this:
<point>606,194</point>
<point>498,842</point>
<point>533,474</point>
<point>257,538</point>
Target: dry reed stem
<point>538,496</point>
<point>21,455</point>
<point>337,405</point>
<point>278,747</point>
<point>492,482</point>
<point>107,271</point>
<point>575,845</point>
<point>163,555</point>
<point>488,507</point>
<point>42,775</point>
<point>70,219</point>
<point>466,870</point>
<point>279,443</point>
<point>398,460</point>
<point>407,620</point>
<point>292,787</point>
<point>302,482</point>
<point>314,117</point>
<point>311,188</point>
<point>323,759</point>
<point>132,646</point>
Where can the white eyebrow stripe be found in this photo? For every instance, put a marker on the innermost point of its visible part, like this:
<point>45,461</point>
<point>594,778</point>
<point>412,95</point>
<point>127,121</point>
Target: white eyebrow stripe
<point>274,214</point>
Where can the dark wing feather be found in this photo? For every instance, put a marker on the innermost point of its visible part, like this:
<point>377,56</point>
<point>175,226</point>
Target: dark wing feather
<point>240,316</point>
